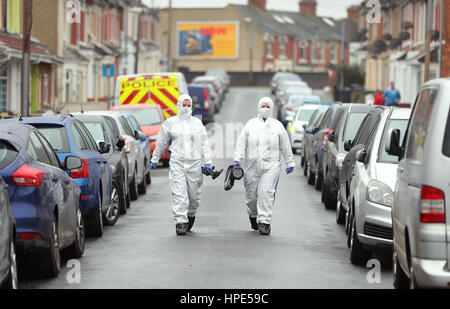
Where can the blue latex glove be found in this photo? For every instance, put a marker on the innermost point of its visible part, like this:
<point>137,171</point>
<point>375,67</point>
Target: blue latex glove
<point>207,166</point>
<point>289,170</point>
<point>237,163</point>
<point>153,166</point>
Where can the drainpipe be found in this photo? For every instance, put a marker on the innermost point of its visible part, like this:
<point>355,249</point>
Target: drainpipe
<point>441,29</point>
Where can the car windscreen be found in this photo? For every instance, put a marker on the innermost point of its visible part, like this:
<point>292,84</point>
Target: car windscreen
<point>7,154</point>
<point>353,123</point>
<point>400,124</point>
<point>56,136</point>
<point>96,130</point>
<point>305,100</point>
<point>446,147</point>
<point>305,114</point>
<point>145,116</point>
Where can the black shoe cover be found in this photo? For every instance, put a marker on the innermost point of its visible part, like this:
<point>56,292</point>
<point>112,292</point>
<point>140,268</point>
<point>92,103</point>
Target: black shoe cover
<point>181,228</point>
<point>191,223</point>
<point>253,223</point>
<point>264,229</point>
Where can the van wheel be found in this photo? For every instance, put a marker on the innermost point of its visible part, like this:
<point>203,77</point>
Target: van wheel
<point>49,263</point>
<point>401,281</point>
<point>76,250</point>
<point>358,255</point>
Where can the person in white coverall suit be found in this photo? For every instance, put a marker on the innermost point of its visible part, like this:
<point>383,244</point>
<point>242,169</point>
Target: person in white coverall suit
<point>189,148</point>
<point>262,143</point>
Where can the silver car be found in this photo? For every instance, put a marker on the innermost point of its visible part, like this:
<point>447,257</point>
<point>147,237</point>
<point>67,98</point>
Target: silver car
<point>421,214</point>
<point>135,154</point>
<point>371,190</point>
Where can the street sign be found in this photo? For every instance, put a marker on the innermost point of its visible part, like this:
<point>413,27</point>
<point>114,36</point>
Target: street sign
<point>109,70</point>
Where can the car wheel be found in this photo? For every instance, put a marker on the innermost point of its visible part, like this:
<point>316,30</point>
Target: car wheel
<point>96,227</point>
<point>76,250</point>
<point>112,214</point>
<point>340,212</point>
<point>123,197</point>
<point>142,187</point>
<point>401,280</point>
<point>309,175</point>
<point>133,188</point>
<point>358,255</point>
<point>329,199</point>
<point>50,261</point>
<point>317,181</point>
<point>148,178</point>
<point>12,282</point>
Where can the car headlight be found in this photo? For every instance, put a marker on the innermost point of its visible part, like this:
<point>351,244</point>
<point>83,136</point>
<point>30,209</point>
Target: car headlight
<point>379,193</point>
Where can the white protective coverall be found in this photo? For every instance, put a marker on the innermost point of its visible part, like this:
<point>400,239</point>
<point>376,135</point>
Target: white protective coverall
<point>189,148</point>
<point>261,144</point>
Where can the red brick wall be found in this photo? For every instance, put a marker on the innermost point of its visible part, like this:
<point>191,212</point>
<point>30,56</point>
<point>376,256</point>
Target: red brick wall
<point>261,4</point>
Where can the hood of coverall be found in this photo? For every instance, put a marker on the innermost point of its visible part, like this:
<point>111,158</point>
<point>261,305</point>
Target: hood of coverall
<point>265,112</point>
<point>184,112</point>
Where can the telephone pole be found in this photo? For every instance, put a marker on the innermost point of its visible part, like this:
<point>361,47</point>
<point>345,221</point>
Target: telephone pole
<point>26,61</point>
<point>428,41</point>
<point>169,37</point>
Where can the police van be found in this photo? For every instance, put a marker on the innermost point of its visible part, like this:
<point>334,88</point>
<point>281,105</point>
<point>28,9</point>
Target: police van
<point>151,88</point>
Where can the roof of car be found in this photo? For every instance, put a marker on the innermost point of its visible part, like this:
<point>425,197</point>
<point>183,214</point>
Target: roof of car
<point>114,114</point>
<point>135,106</point>
<point>90,118</point>
<point>400,113</point>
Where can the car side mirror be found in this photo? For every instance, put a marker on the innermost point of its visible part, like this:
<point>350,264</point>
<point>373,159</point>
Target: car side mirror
<point>315,130</point>
<point>393,143</point>
<point>348,145</point>
<point>72,163</point>
<point>104,147</point>
<point>332,137</point>
<point>304,127</point>
<point>361,155</point>
<point>120,143</point>
<point>137,135</point>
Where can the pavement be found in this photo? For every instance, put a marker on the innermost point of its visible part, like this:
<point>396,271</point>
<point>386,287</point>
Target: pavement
<point>306,248</point>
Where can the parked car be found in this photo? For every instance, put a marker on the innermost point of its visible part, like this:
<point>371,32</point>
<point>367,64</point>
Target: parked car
<point>150,118</point>
<point>222,75</point>
<point>218,87</point>
<point>335,153</point>
<point>135,154</point>
<point>45,201</point>
<point>293,102</point>
<point>315,150</point>
<point>8,263</point>
<point>68,136</point>
<point>213,97</point>
<point>296,127</point>
<point>352,147</point>
<point>294,87</point>
<point>144,143</point>
<point>372,189</point>
<point>117,159</point>
<point>280,77</point>
<point>420,212</point>
<point>201,104</point>
<point>314,121</point>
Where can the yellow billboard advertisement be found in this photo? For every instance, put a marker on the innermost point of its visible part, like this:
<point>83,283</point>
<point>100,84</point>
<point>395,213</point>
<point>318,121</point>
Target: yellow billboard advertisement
<point>208,40</point>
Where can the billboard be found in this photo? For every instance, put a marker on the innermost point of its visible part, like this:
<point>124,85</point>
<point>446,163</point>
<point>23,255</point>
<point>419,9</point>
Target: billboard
<point>208,40</point>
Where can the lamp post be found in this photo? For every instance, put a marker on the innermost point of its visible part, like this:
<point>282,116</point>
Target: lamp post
<point>250,73</point>
<point>138,11</point>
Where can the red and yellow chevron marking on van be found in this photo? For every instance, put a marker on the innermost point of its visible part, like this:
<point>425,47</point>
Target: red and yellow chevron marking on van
<point>151,89</point>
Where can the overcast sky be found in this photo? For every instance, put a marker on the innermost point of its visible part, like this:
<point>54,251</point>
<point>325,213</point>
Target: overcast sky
<point>331,8</point>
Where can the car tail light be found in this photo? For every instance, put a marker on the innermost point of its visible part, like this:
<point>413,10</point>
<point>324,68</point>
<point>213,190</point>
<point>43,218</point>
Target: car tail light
<point>432,205</point>
<point>289,109</point>
<point>205,94</point>
<point>82,172</point>
<point>27,176</point>
<point>30,236</point>
<point>325,138</point>
<point>127,146</point>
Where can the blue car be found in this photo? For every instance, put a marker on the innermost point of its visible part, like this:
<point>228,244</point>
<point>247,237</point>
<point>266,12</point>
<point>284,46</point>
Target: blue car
<point>68,136</point>
<point>203,106</point>
<point>144,142</point>
<point>45,201</point>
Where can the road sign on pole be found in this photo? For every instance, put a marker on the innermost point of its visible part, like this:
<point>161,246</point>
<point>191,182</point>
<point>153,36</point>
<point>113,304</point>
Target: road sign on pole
<point>109,70</point>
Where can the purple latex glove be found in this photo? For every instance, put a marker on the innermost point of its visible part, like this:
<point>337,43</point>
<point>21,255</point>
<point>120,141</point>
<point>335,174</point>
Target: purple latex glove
<point>289,170</point>
<point>236,163</point>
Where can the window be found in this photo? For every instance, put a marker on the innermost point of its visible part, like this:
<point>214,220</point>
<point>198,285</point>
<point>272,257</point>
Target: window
<point>45,89</point>
<point>318,51</point>
<point>282,44</point>
<point>353,123</point>
<point>326,120</point>
<point>87,137</point>
<point>3,88</point>
<point>446,147</point>
<point>39,149</point>
<point>270,48</point>
<point>126,127</point>
<point>78,138</point>
<point>51,154</point>
<point>145,116</point>
<point>370,143</point>
<point>305,114</point>
<point>7,154</point>
<point>420,121</point>
<point>57,137</point>
<point>97,131</point>
<point>13,16</point>
<point>334,52</point>
<point>303,45</point>
<point>400,124</point>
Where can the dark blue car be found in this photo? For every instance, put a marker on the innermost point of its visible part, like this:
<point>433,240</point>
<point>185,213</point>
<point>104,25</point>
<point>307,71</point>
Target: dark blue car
<point>45,201</point>
<point>69,136</point>
<point>202,105</point>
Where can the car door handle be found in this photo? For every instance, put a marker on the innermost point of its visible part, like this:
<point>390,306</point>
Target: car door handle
<point>401,169</point>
